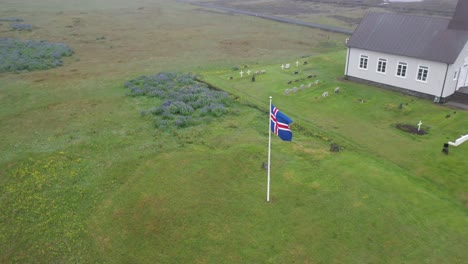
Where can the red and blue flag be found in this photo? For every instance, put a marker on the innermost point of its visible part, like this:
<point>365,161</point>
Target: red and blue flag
<point>279,124</point>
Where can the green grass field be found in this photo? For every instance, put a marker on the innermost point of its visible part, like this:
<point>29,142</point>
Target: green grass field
<point>85,179</point>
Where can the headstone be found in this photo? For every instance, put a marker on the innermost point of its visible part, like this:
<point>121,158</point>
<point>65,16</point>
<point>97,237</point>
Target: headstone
<point>325,94</point>
<point>295,89</point>
<point>337,90</point>
<point>287,91</point>
<point>316,82</point>
<point>282,66</point>
<point>446,148</point>
<point>297,63</point>
<point>309,85</point>
<point>262,71</point>
<point>301,87</point>
<point>334,147</point>
<point>288,66</point>
<point>253,78</point>
<point>419,125</point>
<point>241,73</point>
<point>248,72</point>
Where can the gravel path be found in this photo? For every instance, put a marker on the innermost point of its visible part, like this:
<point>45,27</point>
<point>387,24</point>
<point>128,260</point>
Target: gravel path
<point>274,18</point>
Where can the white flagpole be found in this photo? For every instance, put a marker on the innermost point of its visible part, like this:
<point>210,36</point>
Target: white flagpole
<point>269,153</point>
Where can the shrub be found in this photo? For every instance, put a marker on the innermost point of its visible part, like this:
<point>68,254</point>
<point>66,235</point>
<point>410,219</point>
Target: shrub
<point>183,121</point>
<point>17,55</point>
<point>21,27</point>
<point>161,123</point>
<point>11,19</point>
<point>185,101</point>
<point>215,109</point>
<point>181,108</point>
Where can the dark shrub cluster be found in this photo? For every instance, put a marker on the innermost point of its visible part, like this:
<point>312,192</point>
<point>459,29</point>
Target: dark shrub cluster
<point>21,27</point>
<point>17,55</point>
<point>185,101</point>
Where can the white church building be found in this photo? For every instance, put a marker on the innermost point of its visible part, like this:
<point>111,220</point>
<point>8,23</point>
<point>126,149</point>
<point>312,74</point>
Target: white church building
<point>419,55</point>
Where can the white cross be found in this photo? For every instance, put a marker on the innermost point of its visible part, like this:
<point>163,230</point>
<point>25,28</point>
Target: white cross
<point>282,66</point>
<point>419,125</point>
<point>248,72</point>
<point>241,73</point>
<point>297,63</point>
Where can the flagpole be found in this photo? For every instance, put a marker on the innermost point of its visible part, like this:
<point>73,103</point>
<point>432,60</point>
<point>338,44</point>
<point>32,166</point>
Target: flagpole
<point>269,153</point>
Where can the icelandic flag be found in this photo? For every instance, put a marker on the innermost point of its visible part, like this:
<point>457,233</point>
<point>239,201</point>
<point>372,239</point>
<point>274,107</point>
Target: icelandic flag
<point>279,124</point>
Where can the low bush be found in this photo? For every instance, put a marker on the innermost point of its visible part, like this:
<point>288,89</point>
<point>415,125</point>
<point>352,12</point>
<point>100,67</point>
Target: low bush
<point>185,101</point>
<point>17,55</point>
<point>21,27</point>
<point>11,19</point>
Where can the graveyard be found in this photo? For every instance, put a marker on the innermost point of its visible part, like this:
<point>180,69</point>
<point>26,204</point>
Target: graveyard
<point>144,140</point>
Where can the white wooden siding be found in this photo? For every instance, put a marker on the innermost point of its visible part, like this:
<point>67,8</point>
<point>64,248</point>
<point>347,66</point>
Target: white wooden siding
<point>433,85</point>
<point>451,84</point>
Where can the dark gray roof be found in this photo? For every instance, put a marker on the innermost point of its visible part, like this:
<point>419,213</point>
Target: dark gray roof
<point>460,17</point>
<point>413,36</point>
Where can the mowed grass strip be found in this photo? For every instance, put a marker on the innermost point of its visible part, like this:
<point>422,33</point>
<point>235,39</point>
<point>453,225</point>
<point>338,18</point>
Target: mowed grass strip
<point>361,118</point>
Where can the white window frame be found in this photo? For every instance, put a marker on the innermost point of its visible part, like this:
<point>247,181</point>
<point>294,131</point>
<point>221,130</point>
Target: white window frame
<point>403,65</point>
<point>384,63</point>
<point>427,73</point>
<point>361,58</point>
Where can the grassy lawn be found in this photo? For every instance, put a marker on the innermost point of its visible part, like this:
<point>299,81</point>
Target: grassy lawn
<point>85,179</point>
<point>362,118</point>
